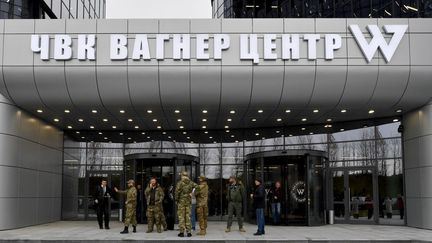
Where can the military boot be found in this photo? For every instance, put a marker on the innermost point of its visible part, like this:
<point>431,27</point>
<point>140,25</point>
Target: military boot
<point>181,234</point>
<point>242,230</point>
<point>149,230</point>
<point>134,228</point>
<point>125,231</point>
<point>228,229</point>
<point>202,232</point>
<point>159,229</point>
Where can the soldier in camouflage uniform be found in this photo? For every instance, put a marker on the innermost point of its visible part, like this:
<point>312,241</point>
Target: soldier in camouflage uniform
<point>131,196</point>
<point>202,207</point>
<point>183,197</point>
<point>235,198</point>
<point>154,197</point>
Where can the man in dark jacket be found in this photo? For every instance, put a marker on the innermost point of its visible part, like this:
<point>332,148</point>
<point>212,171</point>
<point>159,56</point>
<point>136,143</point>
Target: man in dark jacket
<point>259,204</point>
<point>102,200</point>
<point>275,197</point>
<point>235,197</point>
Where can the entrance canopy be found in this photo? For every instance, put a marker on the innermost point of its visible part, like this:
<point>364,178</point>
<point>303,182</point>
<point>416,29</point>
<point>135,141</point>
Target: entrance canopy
<point>216,79</point>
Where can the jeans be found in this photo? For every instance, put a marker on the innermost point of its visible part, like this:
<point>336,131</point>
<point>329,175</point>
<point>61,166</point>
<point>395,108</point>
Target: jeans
<point>193,216</point>
<point>276,211</point>
<point>260,219</point>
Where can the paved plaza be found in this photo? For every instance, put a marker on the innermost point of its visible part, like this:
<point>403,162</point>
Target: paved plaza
<point>87,231</point>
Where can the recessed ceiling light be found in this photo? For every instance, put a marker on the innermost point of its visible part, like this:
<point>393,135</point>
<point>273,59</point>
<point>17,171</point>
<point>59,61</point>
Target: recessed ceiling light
<point>229,119</point>
<point>371,111</point>
<point>121,134</point>
<point>290,135</point>
<point>148,137</point>
<point>82,137</point>
<point>329,120</point>
<point>204,111</point>
<point>304,119</point>
<point>100,133</point>
<point>181,127</point>
<point>143,133</point>
<point>105,120</point>
<point>303,129</point>
<point>278,131</point>
<point>184,132</point>
<point>232,112</point>
<point>395,120</point>
<point>188,137</point>
<point>154,120</point>
<point>211,137</point>
<point>279,119</point>
<point>136,127</point>
<point>149,111</point>
<point>343,110</point>
<point>177,111</point>
<point>179,120</point>
<point>226,127</point>
<point>256,134</point>
<point>169,137</point>
<point>129,138</point>
<point>227,131</point>
<point>287,111</point>
<point>80,120</point>
<point>204,127</point>
<point>69,127</point>
<point>77,132</point>
<point>206,132</point>
<point>204,120</point>
<point>311,133</point>
<point>114,127</point>
<point>159,127</point>
<point>67,111</point>
<point>399,110</point>
<point>130,120</point>
<point>122,111</point>
<point>232,136</point>
<point>56,120</point>
<point>91,127</point>
<point>253,119</point>
<point>316,111</point>
<point>94,111</point>
<point>163,133</point>
<point>105,138</point>
<point>342,129</point>
<point>214,142</point>
<point>39,111</point>
<point>260,111</point>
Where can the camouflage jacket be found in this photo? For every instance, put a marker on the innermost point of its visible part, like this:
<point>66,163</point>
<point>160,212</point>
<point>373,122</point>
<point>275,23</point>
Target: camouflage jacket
<point>159,195</point>
<point>183,191</point>
<point>202,194</point>
<point>131,196</point>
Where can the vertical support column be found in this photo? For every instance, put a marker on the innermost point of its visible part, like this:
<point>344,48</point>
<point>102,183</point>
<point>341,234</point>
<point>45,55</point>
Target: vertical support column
<point>417,142</point>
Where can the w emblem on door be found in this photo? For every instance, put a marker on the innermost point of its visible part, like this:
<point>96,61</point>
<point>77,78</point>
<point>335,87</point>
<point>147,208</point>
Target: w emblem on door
<point>298,192</point>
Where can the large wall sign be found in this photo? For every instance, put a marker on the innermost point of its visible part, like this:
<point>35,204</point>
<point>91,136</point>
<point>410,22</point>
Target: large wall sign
<point>249,45</point>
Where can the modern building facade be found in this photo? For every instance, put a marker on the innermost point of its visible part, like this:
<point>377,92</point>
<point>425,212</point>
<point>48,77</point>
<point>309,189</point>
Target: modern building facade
<point>89,99</point>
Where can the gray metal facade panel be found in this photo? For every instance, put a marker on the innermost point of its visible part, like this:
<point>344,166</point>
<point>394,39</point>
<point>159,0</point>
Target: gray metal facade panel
<point>306,84</point>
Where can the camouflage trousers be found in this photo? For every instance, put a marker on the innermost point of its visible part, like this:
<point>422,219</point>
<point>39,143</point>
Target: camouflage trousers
<point>162,219</point>
<point>130,218</point>
<point>184,217</point>
<point>202,213</point>
<point>154,217</point>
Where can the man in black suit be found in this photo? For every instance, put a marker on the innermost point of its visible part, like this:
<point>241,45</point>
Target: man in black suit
<point>102,199</point>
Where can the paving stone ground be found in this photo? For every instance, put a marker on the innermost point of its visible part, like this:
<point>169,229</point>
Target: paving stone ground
<point>87,231</point>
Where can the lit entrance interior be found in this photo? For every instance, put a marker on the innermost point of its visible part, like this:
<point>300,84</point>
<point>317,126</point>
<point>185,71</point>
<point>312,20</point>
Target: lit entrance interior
<point>301,173</point>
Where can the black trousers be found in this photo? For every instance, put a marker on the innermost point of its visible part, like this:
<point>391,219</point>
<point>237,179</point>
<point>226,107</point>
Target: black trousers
<point>103,215</point>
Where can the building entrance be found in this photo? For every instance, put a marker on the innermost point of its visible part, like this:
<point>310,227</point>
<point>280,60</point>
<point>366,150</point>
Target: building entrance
<point>354,194</point>
<point>301,175</point>
<point>165,167</point>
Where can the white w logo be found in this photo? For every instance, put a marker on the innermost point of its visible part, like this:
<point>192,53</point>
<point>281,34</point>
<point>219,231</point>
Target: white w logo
<point>300,191</point>
<point>378,40</point>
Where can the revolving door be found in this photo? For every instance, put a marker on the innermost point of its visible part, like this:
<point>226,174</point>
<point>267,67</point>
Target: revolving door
<point>165,167</point>
<point>301,175</point>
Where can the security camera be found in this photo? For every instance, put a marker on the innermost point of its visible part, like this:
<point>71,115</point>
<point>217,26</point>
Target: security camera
<point>400,129</point>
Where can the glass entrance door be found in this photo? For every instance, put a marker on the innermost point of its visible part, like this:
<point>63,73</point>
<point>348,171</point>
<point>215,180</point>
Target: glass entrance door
<point>354,195</point>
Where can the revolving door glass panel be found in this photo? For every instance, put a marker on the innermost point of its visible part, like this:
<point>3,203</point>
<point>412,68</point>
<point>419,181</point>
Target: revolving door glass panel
<point>301,192</point>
